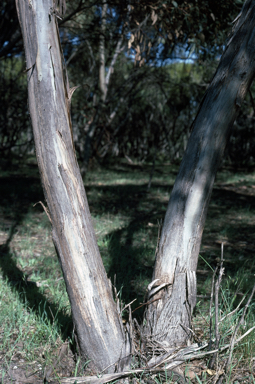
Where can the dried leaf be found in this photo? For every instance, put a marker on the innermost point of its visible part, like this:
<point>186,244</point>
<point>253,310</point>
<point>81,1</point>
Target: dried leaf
<point>142,62</point>
<point>154,17</point>
<point>210,372</point>
<point>176,33</point>
<point>149,47</point>
<point>61,4</point>
<point>130,41</point>
<point>137,48</point>
<point>138,57</point>
<point>201,36</point>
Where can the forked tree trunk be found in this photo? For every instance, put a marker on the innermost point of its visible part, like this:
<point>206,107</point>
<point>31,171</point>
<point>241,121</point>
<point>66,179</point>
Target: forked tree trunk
<point>173,295</point>
<point>98,324</point>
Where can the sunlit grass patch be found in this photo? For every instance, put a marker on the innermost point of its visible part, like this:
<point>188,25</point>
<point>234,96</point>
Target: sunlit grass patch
<point>29,339</point>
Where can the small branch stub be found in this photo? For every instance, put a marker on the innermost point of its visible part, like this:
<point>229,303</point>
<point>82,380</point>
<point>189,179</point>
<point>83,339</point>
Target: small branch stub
<point>45,210</point>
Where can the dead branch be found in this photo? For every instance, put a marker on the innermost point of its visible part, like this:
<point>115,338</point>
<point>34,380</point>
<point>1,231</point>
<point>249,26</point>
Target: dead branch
<point>217,289</point>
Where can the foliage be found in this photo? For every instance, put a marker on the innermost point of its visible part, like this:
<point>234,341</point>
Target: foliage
<point>241,147</point>
<point>15,130</point>
<point>10,35</point>
<point>151,97</point>
<point>199,26</point>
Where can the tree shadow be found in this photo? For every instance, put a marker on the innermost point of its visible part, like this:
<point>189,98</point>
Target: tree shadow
<point>16,193</point>
<point>132,265</point>
<point>227,222</point>
<point>133,262</point>
<point>28,292</point>
<point>126,199</point>
<point>131,259</point>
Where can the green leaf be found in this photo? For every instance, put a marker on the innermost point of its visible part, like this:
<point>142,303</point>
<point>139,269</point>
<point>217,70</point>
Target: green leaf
<point>175,4</point>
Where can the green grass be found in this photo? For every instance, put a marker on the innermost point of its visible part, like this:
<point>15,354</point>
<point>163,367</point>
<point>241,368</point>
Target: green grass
<point>35,318</point>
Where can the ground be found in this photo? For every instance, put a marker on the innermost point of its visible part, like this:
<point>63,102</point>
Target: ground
<point>36,334</point>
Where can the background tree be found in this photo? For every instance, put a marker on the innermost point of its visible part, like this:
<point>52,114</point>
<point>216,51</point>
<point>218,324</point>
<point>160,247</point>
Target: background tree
<point>15,130</point>
<point>160,32</point>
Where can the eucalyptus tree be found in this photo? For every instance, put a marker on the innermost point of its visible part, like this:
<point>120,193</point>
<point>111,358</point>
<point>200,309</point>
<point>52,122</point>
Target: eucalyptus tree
<point>97,321</point>
<point>173,289</point>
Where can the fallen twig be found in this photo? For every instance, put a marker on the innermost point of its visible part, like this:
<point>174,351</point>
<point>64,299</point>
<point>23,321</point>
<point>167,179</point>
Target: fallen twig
<point>233,312</point>
<point>147,303</point>
<point>217,289</point>
<point>111,376</point>
<point>186,354</point>
<point>128,305</point>
<point>211,303</point>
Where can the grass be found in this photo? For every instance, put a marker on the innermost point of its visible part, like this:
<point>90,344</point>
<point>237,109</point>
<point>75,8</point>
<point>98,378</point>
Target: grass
<point>35,318</point>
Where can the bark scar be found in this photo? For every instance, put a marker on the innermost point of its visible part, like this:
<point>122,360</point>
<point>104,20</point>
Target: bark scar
<point>53,68</point>
<point>157,289</point>
<point>240,95</point>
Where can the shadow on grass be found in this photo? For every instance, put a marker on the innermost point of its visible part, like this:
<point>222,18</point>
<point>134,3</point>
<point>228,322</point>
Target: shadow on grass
<point>132,265</point>
<point>131,254</point>
<point>17,194</point>
<point>127,200</point>
<point>131,258</point>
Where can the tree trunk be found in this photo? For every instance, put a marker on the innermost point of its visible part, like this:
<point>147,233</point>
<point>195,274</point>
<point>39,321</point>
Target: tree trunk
<point>168,317</point>
<point>102,84</point>
<point>98,324</point>
<point>103,90</point>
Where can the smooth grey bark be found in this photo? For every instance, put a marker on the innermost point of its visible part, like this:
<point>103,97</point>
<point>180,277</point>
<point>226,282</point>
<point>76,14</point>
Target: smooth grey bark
<point>104,81</point>
<point>97,321</point>
<point>103,90</point>
<point>173,289</point>
<point>102,84</point>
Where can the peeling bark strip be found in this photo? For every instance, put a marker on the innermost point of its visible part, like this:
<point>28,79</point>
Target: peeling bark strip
<point>99,327</point>
<point>168,319</point>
